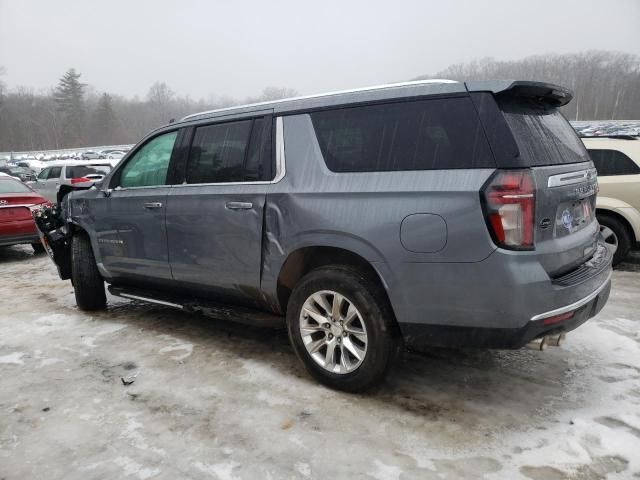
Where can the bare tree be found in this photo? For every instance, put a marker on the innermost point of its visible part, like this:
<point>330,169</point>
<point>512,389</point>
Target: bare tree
<point>606,85</point>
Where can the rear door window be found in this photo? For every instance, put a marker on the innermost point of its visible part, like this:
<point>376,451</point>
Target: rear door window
<point>230,152</point>
<point>418,135</point>
<point>543,135</point>
<point>613,162</point>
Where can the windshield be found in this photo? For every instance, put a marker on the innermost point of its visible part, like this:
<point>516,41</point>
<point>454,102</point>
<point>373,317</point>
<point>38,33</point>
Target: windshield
<point>543,135</point>
<point>9,185</point>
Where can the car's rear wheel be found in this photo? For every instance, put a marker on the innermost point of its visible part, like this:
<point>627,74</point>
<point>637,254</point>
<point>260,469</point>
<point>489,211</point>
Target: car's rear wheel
<point>38,248</point>
<point>342,328</point>
<point>616,233</point>
<point>87,282</point>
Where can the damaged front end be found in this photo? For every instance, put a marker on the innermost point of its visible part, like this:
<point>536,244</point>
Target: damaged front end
<point>55,235</point>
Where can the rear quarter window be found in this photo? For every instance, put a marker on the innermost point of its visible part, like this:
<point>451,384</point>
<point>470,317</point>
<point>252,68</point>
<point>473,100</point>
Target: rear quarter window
<point>429,134</point>
<point>613,162</point>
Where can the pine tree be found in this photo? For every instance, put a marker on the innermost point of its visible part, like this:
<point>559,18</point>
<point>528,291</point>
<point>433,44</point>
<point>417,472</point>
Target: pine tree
<point>105,122</point>
<point>69,97</point>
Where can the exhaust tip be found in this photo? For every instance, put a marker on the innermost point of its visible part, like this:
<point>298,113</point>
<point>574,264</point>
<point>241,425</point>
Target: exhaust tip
<point>537,344</point>
<point>556,340</point>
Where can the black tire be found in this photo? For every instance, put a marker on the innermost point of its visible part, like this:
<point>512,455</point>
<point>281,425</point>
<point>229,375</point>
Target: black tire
<point>88,285</point>
<point>621,236</point>
<point>38,248</point>
<point>383,340</point>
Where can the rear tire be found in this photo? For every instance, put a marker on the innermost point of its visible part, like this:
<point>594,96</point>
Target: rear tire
<point>621,236</point>
<point>371,315</point>
<point>88,284</point>
<point>38,248</point>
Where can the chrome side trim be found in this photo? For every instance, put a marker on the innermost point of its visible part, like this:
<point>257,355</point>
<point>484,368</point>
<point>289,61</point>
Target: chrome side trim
<point>320,95</point>
<point>151,300</point>
<point>575,305</point>
<point>571,178</point>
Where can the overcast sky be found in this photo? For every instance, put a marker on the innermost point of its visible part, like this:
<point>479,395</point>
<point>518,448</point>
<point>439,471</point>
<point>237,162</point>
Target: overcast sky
<point>236,48</point>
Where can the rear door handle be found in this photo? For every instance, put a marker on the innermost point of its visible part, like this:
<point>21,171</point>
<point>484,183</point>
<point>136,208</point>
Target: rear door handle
<point>239,205</point>
<point>152,205</point>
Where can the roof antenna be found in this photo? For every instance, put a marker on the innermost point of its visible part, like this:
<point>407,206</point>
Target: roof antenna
<point>172,120</point>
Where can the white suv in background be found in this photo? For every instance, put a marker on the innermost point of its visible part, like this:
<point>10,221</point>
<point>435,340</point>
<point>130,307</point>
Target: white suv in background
<point>617,160</point>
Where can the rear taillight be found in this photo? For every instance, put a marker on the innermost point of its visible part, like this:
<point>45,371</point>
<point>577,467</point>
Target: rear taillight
<point>509,203</point>
<point>80,180</point>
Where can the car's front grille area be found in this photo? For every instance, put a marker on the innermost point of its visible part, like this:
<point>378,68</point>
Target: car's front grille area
<point>592,267</point>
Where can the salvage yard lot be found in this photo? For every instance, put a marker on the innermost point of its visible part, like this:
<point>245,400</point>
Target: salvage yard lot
<point>216,400</point>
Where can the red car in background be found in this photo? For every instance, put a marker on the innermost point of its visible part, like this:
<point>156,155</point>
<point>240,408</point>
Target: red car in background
<point>17,201</point>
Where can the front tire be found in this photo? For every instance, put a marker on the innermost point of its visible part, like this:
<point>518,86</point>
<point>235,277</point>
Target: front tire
<point>38,248</point>
<point>621,236</point>
<point>88,284</point>
<point>342,328</point>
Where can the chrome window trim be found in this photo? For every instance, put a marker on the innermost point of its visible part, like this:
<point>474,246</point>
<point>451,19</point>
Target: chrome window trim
<point>571,178</point>
<point>280,164</point>
<point>125,189</point>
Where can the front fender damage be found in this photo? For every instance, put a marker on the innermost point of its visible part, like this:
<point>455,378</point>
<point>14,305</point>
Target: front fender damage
<point>55,235</point>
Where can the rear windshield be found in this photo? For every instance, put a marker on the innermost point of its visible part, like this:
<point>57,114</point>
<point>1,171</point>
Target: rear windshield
<point>9,185</point>
<point>543,135</point>
<point>81,171</point>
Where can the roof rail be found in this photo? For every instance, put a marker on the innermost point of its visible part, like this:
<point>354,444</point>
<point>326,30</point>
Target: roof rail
<point>319,95</point>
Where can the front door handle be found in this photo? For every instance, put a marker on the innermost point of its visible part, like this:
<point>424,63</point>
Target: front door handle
<point>239,205</point>
<point>150,205</point>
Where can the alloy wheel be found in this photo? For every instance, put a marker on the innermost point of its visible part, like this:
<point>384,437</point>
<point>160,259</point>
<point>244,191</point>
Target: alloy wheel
<point>333,332</point>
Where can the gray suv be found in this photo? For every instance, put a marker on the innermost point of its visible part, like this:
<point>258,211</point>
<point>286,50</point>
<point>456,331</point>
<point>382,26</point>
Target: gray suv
<point>430,213</point>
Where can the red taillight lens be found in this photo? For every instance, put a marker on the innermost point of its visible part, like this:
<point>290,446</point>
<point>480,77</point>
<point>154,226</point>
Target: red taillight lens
<point>80,180</point>
<point>509,201</point>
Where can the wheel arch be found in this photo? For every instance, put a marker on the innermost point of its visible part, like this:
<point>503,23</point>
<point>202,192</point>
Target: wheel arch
<point>304,259</point>
<point>621,217</point>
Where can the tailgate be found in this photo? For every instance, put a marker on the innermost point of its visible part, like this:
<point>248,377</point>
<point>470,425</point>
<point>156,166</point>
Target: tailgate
<point>565,228</point>
<point>566,231</point>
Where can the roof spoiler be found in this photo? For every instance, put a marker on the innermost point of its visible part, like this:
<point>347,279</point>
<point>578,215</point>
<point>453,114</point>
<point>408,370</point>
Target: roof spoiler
<point>545,93</point>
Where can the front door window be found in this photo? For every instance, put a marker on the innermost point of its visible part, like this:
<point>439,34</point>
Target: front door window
<point>149,165</point>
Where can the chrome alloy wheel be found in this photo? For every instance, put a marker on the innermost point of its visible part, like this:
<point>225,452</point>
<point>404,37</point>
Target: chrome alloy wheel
<point>333,332</point>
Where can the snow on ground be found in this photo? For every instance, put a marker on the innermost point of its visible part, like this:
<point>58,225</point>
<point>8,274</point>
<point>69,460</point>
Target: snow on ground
<point>224,401</point>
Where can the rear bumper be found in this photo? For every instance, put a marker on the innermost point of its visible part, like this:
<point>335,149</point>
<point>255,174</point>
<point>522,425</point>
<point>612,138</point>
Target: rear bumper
<point>7,240</point>
<point>507,338</point>
<point>503,302</point>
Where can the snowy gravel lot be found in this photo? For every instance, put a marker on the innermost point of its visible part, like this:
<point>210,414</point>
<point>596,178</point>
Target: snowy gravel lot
<point>216,400</point>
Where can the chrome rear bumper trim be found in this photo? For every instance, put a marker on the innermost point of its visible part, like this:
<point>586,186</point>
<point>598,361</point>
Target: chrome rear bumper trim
<point>575,305</point>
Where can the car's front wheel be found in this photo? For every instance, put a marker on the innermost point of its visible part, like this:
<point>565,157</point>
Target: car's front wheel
<point>88,284</point>
<point>342,328</point>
